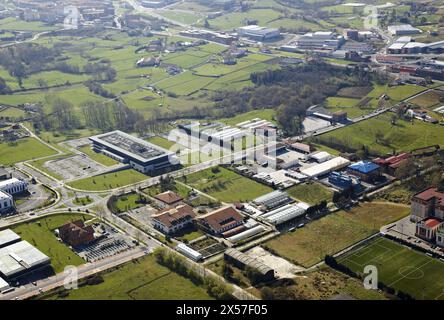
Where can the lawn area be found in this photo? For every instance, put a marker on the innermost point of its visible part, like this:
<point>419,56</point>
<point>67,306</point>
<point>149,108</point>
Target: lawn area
<point>109,181</point>
<point>98,157</point>
<point>334,232</point>
<point>23,150</point>
<point>226,185</point>
<point>128,202</point>
<point>40,234</point>
<point>143,279</point>
<point>401,268</point>
<point>311,193</point>
<point>404,136</point>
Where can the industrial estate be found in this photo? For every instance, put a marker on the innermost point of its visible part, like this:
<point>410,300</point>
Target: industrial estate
<point>221,149</point>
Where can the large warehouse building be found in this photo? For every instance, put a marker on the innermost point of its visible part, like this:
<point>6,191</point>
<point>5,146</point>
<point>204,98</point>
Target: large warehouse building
<point>19,258</point>
<point>141,155</point>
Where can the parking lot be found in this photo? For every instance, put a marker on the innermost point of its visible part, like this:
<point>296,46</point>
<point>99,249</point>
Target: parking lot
<point>111,243</point>
<point>74,167</point>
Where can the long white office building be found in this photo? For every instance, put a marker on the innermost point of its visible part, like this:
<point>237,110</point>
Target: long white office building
<point>13,186</point>
<point>6,202</point>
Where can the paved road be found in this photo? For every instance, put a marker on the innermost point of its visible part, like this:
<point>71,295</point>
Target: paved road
<point>85,270</point>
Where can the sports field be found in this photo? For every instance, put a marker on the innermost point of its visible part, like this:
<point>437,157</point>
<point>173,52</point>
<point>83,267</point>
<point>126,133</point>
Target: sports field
<point>334,232</point>
<point>401,268</point>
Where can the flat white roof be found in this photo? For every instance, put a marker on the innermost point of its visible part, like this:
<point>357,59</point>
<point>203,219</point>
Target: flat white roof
<point>3,284</point>
<point>19,257</point>
<point>7,236</point>
<point>326,167</point>
<point>4,195</point>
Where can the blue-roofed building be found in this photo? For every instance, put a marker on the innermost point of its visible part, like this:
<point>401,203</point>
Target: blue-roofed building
<point>344,181</point>
<point>367,171</point>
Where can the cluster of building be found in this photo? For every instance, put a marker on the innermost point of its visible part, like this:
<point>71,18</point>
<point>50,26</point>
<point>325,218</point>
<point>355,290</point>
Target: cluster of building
<point>407,45</point>
<point>258,33</point>
<point>220,37</point>
<point>9,188</point>
<point>19,259</point>
<point>52,12</point>
<point>139,154</point>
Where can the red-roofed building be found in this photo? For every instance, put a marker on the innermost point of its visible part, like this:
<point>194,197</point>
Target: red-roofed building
<point>391,164</point>
<point>221,220</point>
<point>169,198</point>
<point>426,229</point>
<point>301,147</point>
<point>76,233</point>
<point>174,219</point>
<point>427,204</point>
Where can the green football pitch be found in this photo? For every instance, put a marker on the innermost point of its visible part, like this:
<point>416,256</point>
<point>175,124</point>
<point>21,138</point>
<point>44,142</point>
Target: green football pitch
<point>400,267</point>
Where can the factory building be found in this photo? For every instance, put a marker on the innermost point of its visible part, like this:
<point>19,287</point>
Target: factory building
<point>246,234</point>
<point>320,40</point>
<point>20,259</point>
<point>141,155</point>
<point>8,237</point>
<point>258,33</point>
<point>402,30</point>
<point>326,167</point>
<point>285,213</point>
<point>367,171</point>
<point>242,261</point>
<point>272,200</point>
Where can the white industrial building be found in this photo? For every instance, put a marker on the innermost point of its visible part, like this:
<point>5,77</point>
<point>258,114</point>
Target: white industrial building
<point>188,252</point>
<point>404,29</point>
<point>246,234</point>
<point>321,156</point>
<point>8,237</point>
<point>285,213</point>
<point>326,167</point>
<point>13,186</point>
<point>320,40</point>
<point>258,33</point>
<point>21,258</point>
<point>3,285</point>
<point>272,200</point>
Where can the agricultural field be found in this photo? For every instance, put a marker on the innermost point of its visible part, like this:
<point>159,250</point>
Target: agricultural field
<point>400,268</point>
<point>429,99</point>
<point>335,232</point>
<point>311,193</point>
<point>142,279</point>
<point>108,181</point>
<point>382,137</point>
<point>23,150</point>
<point>225,185</point>
<point>40,233</point>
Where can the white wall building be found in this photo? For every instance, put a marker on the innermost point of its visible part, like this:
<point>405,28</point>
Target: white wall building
<point>13,186</point>
<point>6,202</point>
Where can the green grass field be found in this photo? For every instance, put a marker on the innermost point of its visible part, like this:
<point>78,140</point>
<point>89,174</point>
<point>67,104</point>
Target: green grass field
<point>404,136</point>
<point>23,150</point>
<point>401,268</point>
<point>143,279</point>
<point>40,234</point>
<point>335,232</point>
<point>226,185</point>
<point>98,157</point>
<point>311,193</point>
<point>109,181</point>
<point>127,202</point>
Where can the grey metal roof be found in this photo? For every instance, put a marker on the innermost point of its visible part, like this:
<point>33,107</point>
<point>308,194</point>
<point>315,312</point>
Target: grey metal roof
<point>248,261</point>
<point>8,236</point>
<point>19,257</point>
